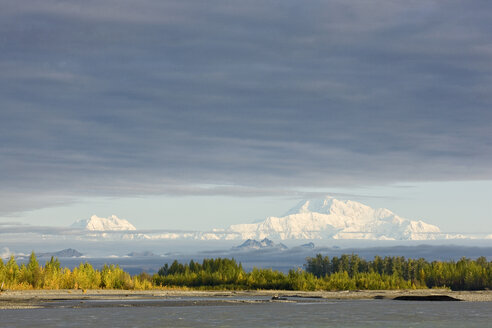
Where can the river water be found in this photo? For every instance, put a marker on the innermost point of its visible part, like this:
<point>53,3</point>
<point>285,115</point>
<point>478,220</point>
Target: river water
<point>188,313</point>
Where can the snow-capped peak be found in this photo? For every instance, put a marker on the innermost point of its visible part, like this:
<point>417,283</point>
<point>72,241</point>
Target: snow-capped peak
<point>336,219</point>
<point>320,205</point>
<point>331,206</point>
<point>112,223</point>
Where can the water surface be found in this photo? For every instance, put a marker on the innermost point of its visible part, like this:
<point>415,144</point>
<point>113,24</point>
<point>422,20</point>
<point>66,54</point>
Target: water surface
<point>325,313</point>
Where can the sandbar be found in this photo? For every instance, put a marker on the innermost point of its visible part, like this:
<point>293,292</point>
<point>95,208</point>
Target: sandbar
<point>26,299</point>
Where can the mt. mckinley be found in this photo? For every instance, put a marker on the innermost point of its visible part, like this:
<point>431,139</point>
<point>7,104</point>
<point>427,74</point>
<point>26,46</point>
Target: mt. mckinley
<point>325,218</point>
<point>95,223</point>
<point>329,218</point>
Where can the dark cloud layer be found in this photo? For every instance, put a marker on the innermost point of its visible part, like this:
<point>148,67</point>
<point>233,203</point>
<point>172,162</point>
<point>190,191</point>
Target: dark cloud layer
<point>124,98</point>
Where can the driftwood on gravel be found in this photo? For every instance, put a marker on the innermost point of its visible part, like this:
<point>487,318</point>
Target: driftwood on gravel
<point>437,298</point>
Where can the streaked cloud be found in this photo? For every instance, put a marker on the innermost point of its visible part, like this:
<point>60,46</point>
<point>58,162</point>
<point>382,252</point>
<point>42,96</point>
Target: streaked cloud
<point>115,98</point>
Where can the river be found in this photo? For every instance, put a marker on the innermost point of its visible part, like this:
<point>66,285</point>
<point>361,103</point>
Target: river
<point>189,312</point>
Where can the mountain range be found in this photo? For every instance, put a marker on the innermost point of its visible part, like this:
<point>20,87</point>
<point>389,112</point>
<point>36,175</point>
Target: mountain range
<point>323,218</point>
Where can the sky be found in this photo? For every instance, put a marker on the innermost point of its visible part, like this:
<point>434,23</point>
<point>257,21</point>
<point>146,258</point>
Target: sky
<point>197,114</point>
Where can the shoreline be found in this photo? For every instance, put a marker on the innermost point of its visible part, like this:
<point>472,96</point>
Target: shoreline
<point>29,299</point>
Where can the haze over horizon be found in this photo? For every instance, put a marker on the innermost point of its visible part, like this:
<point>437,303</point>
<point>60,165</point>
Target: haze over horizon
<point>194,115</point>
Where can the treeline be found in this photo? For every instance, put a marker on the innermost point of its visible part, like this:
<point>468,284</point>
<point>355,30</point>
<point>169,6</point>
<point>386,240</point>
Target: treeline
<point>228,274</point>
<point>347,272</point>
<point>464,274</point>
<point>52,276</point>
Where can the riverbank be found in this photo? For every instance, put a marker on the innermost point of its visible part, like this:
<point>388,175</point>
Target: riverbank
<point>24,299</point>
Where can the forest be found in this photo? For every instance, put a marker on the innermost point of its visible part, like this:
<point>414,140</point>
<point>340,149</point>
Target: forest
<point>347,272</point>
<point>464,274</point>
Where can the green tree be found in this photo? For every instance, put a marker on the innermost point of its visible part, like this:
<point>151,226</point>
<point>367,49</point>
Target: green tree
<point>11,272</point>
<point>33,271</point>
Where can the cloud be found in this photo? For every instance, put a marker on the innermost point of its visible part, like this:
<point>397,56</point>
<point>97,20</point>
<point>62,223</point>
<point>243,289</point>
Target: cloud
<point>47,232</point>
<point>124,98</point>
<point>5,253</point>
<point>40,230</point>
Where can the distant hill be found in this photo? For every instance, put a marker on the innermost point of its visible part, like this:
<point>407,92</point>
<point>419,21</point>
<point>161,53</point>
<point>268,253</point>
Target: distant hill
<point>69,252</point>
<point>265,243</point>
<point>308,245</point>
<point>141,254</point>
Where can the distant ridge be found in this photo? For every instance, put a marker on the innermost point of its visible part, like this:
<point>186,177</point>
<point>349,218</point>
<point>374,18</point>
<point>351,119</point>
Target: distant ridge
<point>266,243</point>
<point>308,245</point>
<point>69,252</point>
<point>142,254</point>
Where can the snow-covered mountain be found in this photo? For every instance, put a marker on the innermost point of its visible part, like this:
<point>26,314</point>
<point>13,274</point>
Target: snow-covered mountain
<point>95,223</point>
<point>329,218</point>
